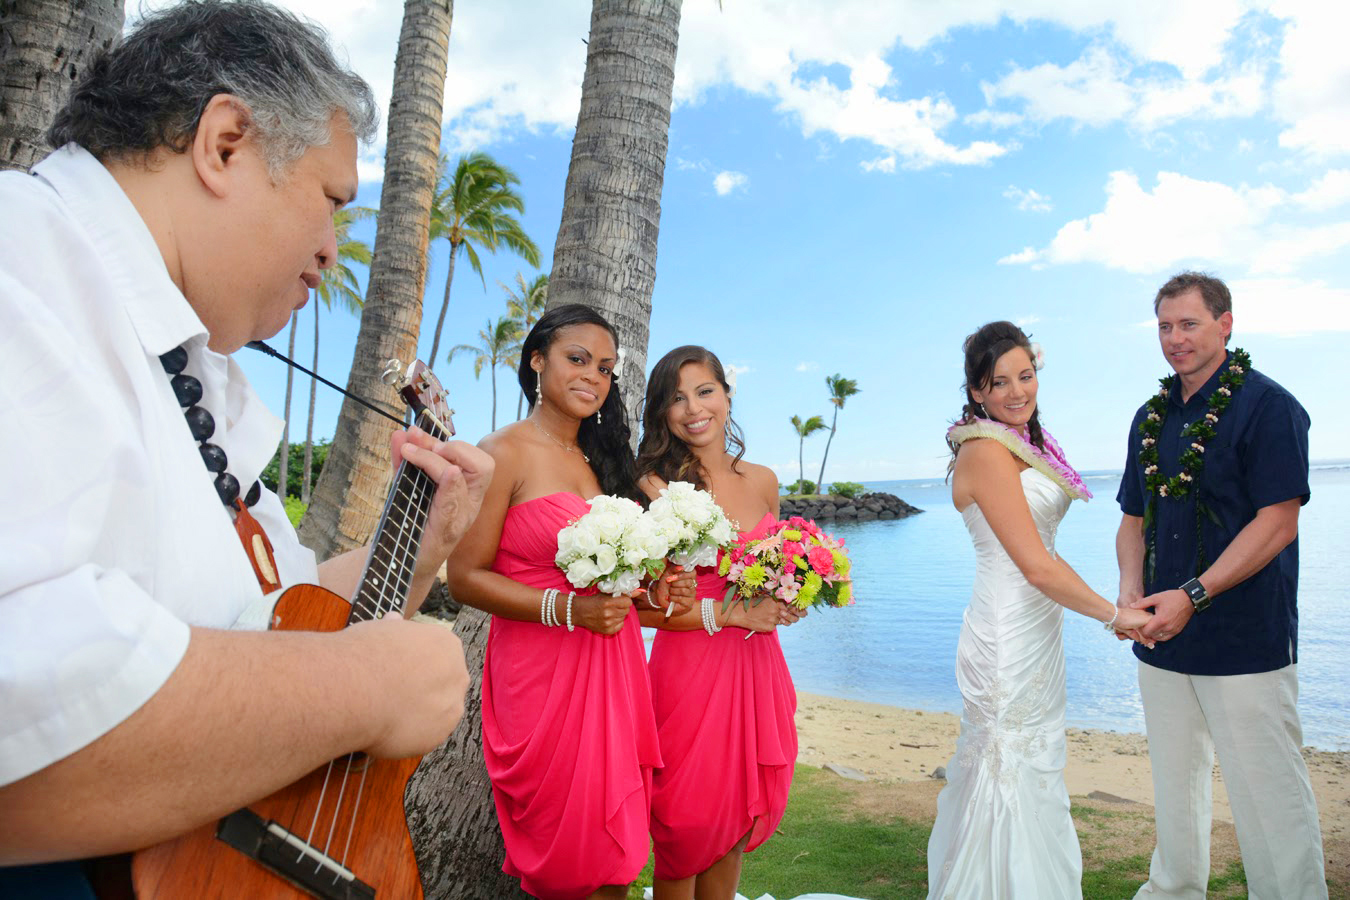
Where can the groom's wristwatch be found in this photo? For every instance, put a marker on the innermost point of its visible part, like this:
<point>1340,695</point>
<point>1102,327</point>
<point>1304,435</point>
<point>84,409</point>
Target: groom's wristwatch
<point>1200,598</point>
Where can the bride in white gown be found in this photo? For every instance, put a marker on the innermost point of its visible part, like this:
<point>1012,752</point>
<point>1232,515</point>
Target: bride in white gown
<point>1003,828</point>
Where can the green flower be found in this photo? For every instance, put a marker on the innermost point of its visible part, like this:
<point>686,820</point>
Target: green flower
<point>845,593</point>
<point>753,575</point>
<point>811,586</point>
<point>841,562</point>
<point>792,534</point>
<point>724,566</point>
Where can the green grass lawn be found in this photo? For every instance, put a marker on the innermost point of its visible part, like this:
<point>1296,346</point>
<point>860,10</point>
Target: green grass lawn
<point>839,837</point>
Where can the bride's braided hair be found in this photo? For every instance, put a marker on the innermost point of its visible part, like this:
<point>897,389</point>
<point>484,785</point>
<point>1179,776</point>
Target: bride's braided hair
<point>983,349</point>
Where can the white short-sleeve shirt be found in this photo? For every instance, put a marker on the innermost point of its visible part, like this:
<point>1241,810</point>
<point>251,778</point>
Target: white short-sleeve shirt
<point>112,538</point>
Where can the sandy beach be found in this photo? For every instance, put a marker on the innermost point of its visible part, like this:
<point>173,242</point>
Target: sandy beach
<point>890,744</point>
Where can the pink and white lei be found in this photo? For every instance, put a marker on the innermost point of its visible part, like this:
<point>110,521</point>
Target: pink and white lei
<point>1052,463</point>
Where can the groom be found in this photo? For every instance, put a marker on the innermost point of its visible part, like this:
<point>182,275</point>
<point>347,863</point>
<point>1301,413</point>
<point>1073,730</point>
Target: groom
<point>1216,473</point>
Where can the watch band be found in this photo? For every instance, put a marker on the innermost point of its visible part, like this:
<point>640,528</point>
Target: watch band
<point>1200,598</point>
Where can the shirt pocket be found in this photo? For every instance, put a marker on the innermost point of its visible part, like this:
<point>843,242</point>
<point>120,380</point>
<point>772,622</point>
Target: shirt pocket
<point>1222,472</point>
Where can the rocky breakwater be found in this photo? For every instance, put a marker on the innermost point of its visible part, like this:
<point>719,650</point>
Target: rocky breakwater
<point>865,508</point>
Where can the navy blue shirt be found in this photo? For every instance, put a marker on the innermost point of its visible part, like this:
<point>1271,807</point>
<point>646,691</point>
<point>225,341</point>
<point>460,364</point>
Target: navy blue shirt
<point>1257,458</point>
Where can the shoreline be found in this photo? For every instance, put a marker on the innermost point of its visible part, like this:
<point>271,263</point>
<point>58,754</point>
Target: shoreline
<point>891,744</point>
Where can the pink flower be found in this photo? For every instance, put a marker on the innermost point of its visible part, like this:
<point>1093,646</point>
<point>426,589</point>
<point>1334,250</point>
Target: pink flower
<point>793,548</point>
<point>821,560</point>
<point>790,567</point>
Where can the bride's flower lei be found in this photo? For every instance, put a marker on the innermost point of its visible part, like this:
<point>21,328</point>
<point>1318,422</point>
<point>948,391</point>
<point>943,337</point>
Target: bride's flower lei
<point>1050,462</point>
<point>1192,459</point>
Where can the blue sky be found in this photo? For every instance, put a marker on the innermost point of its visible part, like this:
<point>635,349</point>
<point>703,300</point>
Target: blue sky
<point>853,187</point>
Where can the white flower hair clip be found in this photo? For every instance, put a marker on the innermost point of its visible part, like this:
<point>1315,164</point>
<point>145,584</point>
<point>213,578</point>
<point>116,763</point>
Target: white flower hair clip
<point>618,363</point>
<point>1037,356</point>
<point>730,373</point>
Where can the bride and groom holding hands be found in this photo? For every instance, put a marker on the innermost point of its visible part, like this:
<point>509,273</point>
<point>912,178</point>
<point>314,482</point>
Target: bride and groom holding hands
<point>1216,473</point>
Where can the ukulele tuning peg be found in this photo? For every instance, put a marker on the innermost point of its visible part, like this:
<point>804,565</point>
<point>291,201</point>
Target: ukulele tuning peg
<point>393,373</point>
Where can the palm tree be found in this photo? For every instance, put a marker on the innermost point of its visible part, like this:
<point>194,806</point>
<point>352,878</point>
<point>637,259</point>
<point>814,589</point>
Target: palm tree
<point>804,431</point>
<point>351,489</point>
<point>841,389</point>
<point>337,284</point>
<point>472,210</point>
<point>284,458</point>
<point>44,46</point>
<point>526,308</point>
<point>605,255</point>
<point>498,345</point>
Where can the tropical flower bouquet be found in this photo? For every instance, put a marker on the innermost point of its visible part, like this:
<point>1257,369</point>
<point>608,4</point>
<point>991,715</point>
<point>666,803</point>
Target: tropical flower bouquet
<point>794,561</point>
<point>612,547</point>
<point>693,523</point>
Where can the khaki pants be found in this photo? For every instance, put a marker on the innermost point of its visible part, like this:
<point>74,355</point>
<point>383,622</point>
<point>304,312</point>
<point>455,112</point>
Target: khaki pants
<point>1252,722</point>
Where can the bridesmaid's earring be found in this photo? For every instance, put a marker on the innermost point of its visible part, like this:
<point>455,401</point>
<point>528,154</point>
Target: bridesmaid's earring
<point>538,389</point>
<point>598,417</point>
<point>980,407</point>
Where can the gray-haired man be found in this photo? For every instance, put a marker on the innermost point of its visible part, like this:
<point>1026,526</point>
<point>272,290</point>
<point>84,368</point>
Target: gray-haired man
<point>189,208</point>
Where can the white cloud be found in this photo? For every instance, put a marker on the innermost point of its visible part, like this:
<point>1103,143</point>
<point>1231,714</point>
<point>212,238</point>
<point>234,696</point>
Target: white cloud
<point>880,164</point>
<point>1025,255</point>
<point>1101,87</point>
<point>1028,200</point>
<point>1310,93</point>
<point>1288,307</point>
<point>807,366</point>
<point>726,182</point>
<point>993,118</point>
<point>1331,190</point>
<point>1027,320</point>
<point>1185,220</point>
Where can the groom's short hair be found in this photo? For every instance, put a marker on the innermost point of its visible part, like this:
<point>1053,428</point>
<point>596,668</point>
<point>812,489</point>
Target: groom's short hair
<point>1213,291</point>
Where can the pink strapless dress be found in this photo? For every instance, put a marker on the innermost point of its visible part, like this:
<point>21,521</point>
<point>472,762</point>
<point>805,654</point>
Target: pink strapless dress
<point>568,733</point>
<point>724,710</point>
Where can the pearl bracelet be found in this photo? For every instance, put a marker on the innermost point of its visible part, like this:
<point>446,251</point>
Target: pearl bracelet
<point>570,595</point>
<point>548,612</point>
<point>710,616</point>
<point>1111,625</point>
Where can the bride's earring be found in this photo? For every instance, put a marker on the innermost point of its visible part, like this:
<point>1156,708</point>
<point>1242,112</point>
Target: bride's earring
<point>980,407</point>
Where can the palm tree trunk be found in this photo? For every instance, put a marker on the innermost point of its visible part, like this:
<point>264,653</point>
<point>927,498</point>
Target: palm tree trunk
<point>451,816</point>
<point>309,426</point>
<point>351,491</point>
<point>801,465</point>
<point>44,46</point>
<point>493,376</point>
<point>820,482</point>
<point>445,304</point>
<point>605,255</point>
<point>284,460</point>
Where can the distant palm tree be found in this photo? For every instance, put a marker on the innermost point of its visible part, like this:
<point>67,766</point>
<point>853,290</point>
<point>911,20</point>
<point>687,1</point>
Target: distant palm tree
<point>336,284</point>
<point>284,452</point>
<point>472,210</point>
<point>498,345</point>
<point>841,389</point>
<point>526,308</point>
<point>804,431</point>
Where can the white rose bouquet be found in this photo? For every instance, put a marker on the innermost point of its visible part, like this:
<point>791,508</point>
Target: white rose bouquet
<point>612,547</point>
<point>693,523</point>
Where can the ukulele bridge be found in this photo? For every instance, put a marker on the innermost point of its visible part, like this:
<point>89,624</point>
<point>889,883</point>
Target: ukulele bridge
<point>280,851</point>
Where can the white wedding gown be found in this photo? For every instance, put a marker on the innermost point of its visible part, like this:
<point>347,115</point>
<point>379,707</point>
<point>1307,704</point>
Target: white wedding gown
<point>1003,828</point>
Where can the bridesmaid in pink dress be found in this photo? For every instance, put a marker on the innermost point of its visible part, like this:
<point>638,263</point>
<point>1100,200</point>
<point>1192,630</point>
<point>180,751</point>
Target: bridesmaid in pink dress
<point>724,703</point>
<point>569,737</point>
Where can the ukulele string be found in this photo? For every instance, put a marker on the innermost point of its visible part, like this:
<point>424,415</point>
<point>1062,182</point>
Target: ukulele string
<point>386,599</point>
<point>406,538</point>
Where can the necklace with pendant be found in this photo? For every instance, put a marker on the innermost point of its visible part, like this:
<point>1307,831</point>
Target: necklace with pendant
<point>545,433</point>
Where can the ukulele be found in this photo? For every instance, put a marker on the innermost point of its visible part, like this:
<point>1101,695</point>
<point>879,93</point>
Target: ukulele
<point>339,833</point>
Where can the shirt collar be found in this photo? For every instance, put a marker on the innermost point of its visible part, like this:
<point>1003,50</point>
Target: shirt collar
<point>1206,389</point>
<point>159,312</point>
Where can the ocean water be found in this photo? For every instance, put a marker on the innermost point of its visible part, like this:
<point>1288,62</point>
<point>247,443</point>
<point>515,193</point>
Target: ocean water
<point>897,645</point>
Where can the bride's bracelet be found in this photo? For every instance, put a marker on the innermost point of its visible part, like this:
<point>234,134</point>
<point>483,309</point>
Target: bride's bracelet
<point>1111,625</point>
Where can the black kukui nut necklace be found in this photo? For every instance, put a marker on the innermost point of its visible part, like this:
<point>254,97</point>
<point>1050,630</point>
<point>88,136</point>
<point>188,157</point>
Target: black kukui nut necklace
<point>202,424</point>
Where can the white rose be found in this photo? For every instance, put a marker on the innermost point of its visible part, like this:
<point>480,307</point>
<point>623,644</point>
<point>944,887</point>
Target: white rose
<point>585,542</point>
<point>583,572</point>
<point>605,559</point>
